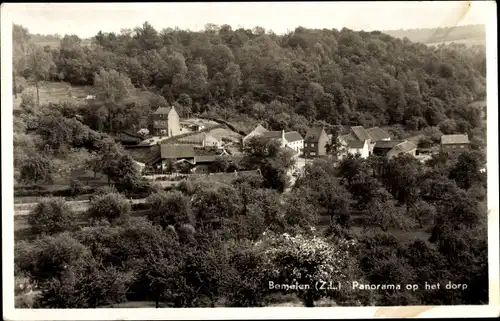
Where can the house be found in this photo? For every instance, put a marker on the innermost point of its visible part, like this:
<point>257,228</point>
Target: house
<point>287,139</point>
<point>257,131</point>
<point>377,134</point>
<point>383,147</point>
<point>165,122</point>
<point>354,147</point>
<point>405,147</point>
<point>315,142</point>
<point>200,139</point>
<point>295,141</point>
<point>174,153</point>
<point>455,143</point>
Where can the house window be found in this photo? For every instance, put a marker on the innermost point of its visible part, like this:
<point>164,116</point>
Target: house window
<point>312,144</point>
<point>313,153</point>
<point>462,146</point>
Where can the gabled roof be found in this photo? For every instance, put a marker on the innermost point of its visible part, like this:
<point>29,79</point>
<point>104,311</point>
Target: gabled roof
<point>360,133</point>
<point>313,134</point>
<point>258,130</point>
<point>455,139</point>
<point>403,147</point>
<point>356,143</point>
<point>271,134</point>
<point>162,111</point>
<point>387,144</point>
<point>347,137</point>
<point>377,133</point>
<point>293,136</point>
<point>196,138</point>
<point>176,151</point>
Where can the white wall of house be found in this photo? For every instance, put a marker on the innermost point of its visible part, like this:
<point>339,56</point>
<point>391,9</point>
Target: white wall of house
<point>297,146</point>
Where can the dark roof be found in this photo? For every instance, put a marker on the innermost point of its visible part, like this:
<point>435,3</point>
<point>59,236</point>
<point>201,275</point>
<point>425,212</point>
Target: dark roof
<point>387,144</point>
<point>177,151</point>
<point>162,110</point>
<point>377,133</point>
<point>271,134</point>
<point>360,133</point>
<point>313,134</point>
<point>205,159</point>
<point>293,136</point>
<point>455,139</point>
<point>346,137</point>
<point>212,158</point>
<point>356,143</point>
<point>403,147</point>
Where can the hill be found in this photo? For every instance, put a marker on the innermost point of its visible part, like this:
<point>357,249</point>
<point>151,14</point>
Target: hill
<point>292,81</point>
<point>469,35</point>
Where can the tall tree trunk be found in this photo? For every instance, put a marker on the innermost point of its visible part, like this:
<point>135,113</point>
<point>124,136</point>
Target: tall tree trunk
<point>37,93</point>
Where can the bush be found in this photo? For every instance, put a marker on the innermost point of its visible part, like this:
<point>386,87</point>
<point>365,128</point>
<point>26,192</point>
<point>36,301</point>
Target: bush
<point>76,187</point>
<point>111,207</point>
<point>51,216</point>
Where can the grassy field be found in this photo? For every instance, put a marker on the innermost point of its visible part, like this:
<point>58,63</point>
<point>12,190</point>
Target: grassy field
<point>58,92</point>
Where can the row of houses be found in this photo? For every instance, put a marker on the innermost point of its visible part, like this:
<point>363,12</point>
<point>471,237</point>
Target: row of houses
<point>358,140</point>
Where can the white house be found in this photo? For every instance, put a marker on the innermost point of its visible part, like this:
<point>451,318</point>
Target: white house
<point>256,132</point>
<point>353,147</point>
<point>287,139</point>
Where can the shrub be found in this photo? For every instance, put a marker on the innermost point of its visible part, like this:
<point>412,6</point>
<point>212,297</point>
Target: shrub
<point>51,216</point>
<point>111,207</point>
<point>76,187</point>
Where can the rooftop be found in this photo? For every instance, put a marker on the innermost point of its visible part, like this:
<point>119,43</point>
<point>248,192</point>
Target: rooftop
<point>168,151</point>
<point>377,134</point>
<point>403,147</point>
<point>455,139</point>
<point>313,134</point>
<point>356,143</point>
<point>388,143</point>
<point>293,136</point>
<point>360,133</point>
<point>162,111</point>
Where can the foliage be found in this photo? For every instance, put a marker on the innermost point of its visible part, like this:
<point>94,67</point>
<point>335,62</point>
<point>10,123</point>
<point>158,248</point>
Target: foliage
<point>49,256</point>
<point>171,208</point>
<point>51,216</point>
<point>307,260</point>
<point>111,207</point>
<point>36,168</point>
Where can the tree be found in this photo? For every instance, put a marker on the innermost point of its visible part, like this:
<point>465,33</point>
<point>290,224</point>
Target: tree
<point>49,257</point>
<point>350,166</point>
<point>37,168</point>
<point>307,260</point>
<point>51,216</point>
<point>111,207</point>
<point>466,171</point>
<point>86,285</point>
<point>38,63</point>
<point>171,208</point>
<point>111,89</point>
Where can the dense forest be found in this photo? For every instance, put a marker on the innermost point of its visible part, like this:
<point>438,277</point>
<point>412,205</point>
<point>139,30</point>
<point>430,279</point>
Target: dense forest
<point>289,81</point>
<point>206,243</point>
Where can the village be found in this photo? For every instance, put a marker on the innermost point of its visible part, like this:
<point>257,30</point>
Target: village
<point>172,148</point>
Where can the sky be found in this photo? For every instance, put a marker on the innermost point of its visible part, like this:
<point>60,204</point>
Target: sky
<point>86,19</point>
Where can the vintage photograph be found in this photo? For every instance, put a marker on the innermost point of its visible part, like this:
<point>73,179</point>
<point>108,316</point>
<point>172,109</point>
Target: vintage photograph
<point>188,155</point>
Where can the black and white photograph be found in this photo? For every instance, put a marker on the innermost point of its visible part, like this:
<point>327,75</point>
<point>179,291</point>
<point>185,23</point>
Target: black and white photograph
<point>266,156</point>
